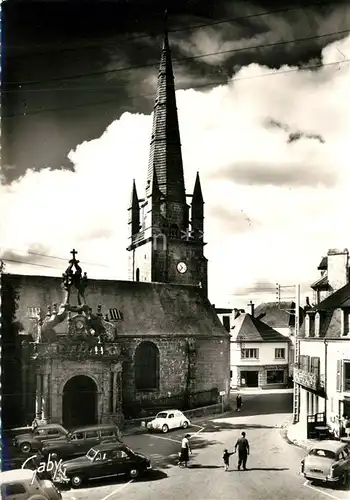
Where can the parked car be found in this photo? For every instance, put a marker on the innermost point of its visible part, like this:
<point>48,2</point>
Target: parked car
<point>327,461</point>
<point>32,441</point>
<point>105,460</point>
<point>169,419</point>
<point>79,442</point>
<point>21,484</point>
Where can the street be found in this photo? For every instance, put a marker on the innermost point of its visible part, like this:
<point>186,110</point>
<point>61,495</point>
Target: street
<point>273,464</point>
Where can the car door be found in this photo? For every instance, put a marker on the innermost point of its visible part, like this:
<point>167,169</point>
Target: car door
<point>91,438</point>
<point>171,420</point>
<point>98,466</point>
<point>346,462</point>
<point>179,418</point>
<point>76,444</point>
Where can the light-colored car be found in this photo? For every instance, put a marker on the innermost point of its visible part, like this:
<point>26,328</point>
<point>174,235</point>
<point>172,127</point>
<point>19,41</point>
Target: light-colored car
<point>22,484</point>
<point>327,461</point>
<point>169,419</point>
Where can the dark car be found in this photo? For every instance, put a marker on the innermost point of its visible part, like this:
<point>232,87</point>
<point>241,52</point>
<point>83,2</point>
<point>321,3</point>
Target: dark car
<point>106,460</point>
<point>79,442</point>
<point>32,441</point>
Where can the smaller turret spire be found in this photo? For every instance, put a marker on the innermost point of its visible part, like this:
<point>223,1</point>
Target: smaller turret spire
<point>197,209</point>
<point>134,210</point>
<point>197,192</point>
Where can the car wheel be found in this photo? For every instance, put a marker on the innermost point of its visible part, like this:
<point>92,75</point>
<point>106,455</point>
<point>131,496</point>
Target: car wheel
<point>165,428</point>
<point>76,481</point>
<point>185,424</point>
<point>133,473</point>
<point>25,447</point>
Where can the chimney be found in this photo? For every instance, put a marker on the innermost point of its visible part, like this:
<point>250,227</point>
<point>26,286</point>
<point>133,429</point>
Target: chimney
<point>236,313</point>
<point>226,322</point>
<point>251,309</point>
<point>338,268</point>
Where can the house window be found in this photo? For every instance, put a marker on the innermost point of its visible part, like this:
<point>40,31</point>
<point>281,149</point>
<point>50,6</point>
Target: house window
<point>146,367</point>
<point>275,377</point>
<point>249,353</point>
<point>34,312</point>
<point>115,315</point>
<point>346,376</point>
<point>280,353</point>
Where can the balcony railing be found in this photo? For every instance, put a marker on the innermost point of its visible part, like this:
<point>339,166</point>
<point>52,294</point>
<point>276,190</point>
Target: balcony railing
<point>75,350</point>
<point>309,379</point>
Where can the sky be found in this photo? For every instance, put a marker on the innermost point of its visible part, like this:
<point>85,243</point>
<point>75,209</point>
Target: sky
<point>264,117</point>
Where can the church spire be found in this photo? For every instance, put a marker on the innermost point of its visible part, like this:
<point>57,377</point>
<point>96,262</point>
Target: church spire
<point>165,150</point>
<point>134,210</point>
<point>197,209</point>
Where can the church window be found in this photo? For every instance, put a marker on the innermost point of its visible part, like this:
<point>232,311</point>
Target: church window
<point>146,367</point>
<point>173,231</point>
<point>115,315</point>
<point>137,274</point>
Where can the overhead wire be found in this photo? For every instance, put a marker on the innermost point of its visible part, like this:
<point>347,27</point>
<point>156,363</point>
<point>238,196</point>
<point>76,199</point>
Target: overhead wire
<point>47,256</point>
<point>189,58</point>
<point>175,30</point>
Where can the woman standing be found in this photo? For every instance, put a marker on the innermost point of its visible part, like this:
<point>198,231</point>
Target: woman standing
<point>185,450</point>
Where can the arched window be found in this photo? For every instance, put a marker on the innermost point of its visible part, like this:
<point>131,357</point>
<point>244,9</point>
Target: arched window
<point>173,231</point>
<point>146,365</point>
<point>137,274</point>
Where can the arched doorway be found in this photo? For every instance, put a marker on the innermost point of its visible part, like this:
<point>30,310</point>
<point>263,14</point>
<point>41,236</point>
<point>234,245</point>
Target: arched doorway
<point>79,402</point>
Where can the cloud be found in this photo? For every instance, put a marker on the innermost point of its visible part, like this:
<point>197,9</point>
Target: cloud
<point>295,194</point>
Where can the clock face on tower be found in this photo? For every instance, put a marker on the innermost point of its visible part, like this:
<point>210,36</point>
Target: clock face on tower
<point>181,267</point>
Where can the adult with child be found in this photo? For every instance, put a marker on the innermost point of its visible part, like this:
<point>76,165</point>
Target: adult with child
<point>243,451</point>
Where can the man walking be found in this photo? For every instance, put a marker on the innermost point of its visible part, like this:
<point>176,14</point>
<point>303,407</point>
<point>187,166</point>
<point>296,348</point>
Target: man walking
<point>238,402</point>
<point>243,451</point>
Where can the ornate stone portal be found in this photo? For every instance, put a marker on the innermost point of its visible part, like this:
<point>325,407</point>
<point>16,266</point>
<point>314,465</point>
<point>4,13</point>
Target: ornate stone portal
<point>78,371</point>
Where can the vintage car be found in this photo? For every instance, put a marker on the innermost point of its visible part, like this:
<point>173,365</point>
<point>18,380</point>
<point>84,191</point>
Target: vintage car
<point>79,442</point>
<point>169,419</point>
<point>105,460</point>
<point>327,461</point>
<point>32,441</point>
<point>22,484</point>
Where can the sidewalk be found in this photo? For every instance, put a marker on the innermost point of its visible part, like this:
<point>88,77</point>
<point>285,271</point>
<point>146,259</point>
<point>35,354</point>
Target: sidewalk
<point>296,434</point>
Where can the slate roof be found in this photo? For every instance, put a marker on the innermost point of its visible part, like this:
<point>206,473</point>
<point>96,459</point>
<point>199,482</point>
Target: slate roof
<point>276,314</point>
<point>321,283</point>
<point>251,329</point>
<point>146,308</point>
<point>338,299</point>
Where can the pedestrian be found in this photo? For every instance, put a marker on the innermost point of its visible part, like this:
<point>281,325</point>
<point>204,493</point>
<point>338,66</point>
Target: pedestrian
<point>238,402</point>
<point>243,451</point>
<point>185,450</point>
<point>226,459</point>
<point>346,423</point>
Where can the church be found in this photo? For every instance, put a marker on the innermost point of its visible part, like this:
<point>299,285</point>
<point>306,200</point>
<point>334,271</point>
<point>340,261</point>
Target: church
<point>98,351</point>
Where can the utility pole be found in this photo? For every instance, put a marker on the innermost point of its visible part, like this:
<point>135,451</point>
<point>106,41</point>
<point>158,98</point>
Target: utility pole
<point>296,393</point>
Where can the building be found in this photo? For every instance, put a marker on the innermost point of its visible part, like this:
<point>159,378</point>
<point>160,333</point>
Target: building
<point>259,354</point>
<point>108,348</point>
<point>323,373</point>
<point>281,317</point>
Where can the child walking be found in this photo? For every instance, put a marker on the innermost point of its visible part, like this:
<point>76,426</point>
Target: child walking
<point>226,458</point>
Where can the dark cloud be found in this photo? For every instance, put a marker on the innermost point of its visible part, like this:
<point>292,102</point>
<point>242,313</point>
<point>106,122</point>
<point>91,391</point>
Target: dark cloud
<point>284,175</point>
<point>35,254</point>
<point>41,123</point>
<point>293,136</point>
<point>233,221</point>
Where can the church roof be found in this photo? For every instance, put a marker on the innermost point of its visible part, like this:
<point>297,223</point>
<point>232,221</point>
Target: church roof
<point>251,329</point>
<point>145,308</point>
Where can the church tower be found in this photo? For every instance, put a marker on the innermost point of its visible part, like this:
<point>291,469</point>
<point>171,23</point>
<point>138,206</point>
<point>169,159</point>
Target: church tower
<point>166,233</point>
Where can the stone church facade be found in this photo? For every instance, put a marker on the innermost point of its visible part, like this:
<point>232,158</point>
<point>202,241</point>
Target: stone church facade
<point>102,350</point>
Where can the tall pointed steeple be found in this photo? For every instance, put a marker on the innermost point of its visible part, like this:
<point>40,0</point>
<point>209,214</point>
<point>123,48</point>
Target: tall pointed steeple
<point>134,211</point>
<point>197,209</point>
<point>165,156</point>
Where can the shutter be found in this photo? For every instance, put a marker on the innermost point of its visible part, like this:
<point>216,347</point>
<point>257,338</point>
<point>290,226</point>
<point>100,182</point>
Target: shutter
<point>339,375</point>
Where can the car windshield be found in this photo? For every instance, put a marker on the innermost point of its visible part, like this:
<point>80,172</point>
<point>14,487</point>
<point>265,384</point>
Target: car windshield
<point>162,414</point>
<point>318,452</point>
<point>91,454</point>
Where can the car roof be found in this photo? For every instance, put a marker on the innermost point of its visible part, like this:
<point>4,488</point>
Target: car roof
<point>169,411</point>
<point>109,446</point>
<point>329,446</point>
<point>15,475</point>
<point>96,427</point>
